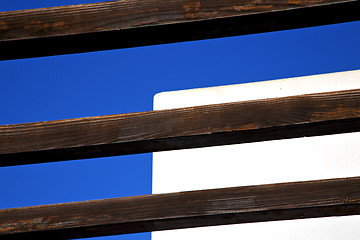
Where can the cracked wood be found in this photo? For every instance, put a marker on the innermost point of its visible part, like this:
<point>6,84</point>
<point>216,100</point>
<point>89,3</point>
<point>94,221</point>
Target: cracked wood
<point>297,200</point>
<point>202,126</point>
<point>119,24</point>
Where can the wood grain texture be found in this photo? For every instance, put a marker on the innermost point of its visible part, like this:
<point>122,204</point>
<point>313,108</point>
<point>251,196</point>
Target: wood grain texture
<point>334,197</point>
<point>211,125</point>
<point>130,23</point>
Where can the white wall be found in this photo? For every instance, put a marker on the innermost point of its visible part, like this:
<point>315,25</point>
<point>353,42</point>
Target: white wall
<point>310,158</point>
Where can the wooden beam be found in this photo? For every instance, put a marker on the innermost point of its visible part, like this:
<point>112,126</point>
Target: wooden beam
<point>131,23</point>
<point>334,197</point>
<point>211,125</point>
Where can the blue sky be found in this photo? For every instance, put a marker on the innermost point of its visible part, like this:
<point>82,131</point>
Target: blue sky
<point>122,81</point>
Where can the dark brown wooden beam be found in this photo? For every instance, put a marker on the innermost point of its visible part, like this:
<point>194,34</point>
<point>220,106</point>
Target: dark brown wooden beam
<point>334,197</point>
<point>123,24</point>
<point>211,125</point>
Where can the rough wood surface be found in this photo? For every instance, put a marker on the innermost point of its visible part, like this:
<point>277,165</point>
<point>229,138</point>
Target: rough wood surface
<point>129,23</point>
<point>334,197</point>
<point>211,125</point>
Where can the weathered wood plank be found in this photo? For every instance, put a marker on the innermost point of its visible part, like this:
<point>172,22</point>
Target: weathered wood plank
<point>121,24</point>
<point>211,125</point>
<point>334,197</point>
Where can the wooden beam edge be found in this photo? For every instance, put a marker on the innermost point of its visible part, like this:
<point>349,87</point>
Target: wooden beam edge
<point>180,31</point>
<point>283,201</point>
<point>229,123</point>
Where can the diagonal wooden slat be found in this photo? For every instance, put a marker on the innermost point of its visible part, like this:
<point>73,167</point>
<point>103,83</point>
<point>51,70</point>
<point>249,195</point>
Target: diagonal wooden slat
<point>211,125</point>
<point>131,23</point>
<point>322,198</point>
